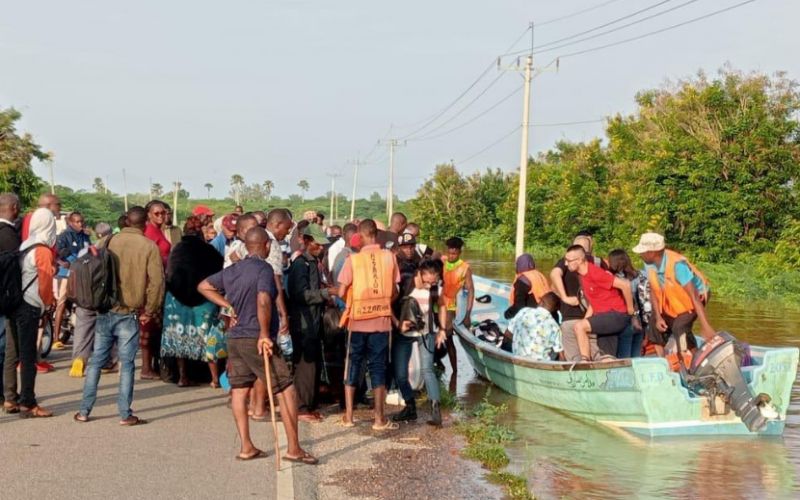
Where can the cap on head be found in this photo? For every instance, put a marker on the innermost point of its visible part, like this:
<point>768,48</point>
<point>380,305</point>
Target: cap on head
<point>229,222</point>
<point>315,233</point>
<point>406,239</point>
<point>200,210</point>
<point>650,242</point>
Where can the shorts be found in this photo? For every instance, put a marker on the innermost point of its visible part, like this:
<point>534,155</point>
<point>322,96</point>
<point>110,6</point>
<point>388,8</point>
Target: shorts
<point>375,348</point>
<point>675,326</point>
<point>570,343</point>
<point>246,365</point>
<point>609,323</point>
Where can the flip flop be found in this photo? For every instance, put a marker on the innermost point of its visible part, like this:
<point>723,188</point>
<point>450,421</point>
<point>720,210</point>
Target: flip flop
<point>259,454</point>
<point>346,425</point>
<point>35,412</point>
<point>388,426</point>
<point>260,419</point>
<point>131,421</point>
<point>305,459</point>
<point>10,409</point>
<point>80,418</point>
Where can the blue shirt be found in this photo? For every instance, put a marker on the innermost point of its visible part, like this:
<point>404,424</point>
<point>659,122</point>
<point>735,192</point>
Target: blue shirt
<point>536,334</point>
<point>219,243</point>
<point>241,283</point>
<point>683,273</point>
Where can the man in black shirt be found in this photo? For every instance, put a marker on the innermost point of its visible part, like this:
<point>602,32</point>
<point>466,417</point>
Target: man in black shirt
<point>9,242</point>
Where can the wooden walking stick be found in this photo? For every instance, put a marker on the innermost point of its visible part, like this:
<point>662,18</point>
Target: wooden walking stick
<point>272,409</point>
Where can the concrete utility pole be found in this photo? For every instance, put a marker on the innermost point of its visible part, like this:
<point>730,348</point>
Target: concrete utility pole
<point>334,201</point>
<point>106,186</point>
<point>357,164</point>
<point>151,189</point>
<point>52,174</point>
<point>393,144</point>
<point>125,187</point>
<point>175,205</point>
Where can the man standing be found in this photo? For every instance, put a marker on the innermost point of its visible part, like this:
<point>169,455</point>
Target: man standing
<point>339,245</point>
<point>610,302</point>
<point>140,281</point>
<point>457,276</point>
<point>9,242</point>
<point>171,232</point>
<point>371,276</point>
<point>678,291</point>
<point>278,225</point>
<point>306,309</point>
<point>68,245</point>
<point>250,292</point>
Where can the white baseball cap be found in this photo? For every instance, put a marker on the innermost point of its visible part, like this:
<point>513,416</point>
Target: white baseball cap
<point>650,242</point>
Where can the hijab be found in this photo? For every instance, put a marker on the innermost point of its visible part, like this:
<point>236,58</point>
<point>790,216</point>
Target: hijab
<point>42,229</point>
<point>525,263</point>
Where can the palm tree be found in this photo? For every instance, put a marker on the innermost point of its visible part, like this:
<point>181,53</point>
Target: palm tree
<point>157,189</point>
<point>303,188</point>
<point>98,184</point>
<point>268,187</point>
<point>208,187</point>
<point>237,181</point>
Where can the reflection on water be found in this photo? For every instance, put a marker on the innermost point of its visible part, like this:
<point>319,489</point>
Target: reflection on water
<point>565,457</point>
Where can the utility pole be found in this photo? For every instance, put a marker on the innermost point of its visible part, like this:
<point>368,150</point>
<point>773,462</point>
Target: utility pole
<point>52,174</point>
<point>106,186</point>
<point>125,187</point>
<point>175,205</point>
<point>151,189</point>
<point>357,163</point>
<point>393,144</point>
<point>523,161</point>
<point>334,202</point>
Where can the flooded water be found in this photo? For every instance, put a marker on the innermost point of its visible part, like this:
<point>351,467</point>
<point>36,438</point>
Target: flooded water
<point>567,458</point>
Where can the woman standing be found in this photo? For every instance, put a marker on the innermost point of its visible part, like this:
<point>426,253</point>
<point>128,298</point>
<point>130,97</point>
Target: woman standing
<point>630,340</point>
<point>418,322</point>
<point>23,324</point>
<point>149,339</point>
<point>192,326</point>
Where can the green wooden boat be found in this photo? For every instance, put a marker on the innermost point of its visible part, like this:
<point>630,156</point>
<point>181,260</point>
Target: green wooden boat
<point>639,395</point>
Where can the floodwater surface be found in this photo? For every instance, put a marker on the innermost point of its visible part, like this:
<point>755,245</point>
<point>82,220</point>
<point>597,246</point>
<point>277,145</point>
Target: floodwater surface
<point>567,458</point>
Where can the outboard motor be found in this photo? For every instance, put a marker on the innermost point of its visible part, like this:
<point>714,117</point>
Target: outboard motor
<point>716,371</point>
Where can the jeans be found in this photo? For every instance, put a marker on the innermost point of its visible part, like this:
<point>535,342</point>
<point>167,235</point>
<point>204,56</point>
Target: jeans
<point>23,330</point>
<point>630,343</point>
<point>401,356</point>
<point>123,330</point>
<point>373,347</point>
<point>2,354</point>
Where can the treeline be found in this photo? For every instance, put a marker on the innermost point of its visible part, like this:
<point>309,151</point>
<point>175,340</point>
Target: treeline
<point>712,163</point>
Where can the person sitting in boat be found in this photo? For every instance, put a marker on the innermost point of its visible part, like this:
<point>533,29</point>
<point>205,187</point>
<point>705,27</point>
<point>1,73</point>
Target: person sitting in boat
<point>529,286</point>
<point>534,331</point>
<point>610,301</point>
<point>679,293</point>
<point>630,341</point>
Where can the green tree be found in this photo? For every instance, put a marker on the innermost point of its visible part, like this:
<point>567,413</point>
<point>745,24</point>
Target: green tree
<point>98,185</point>
<point>268,187</point>
<point>237,183</point>
<point>158,190</point>
<point>16,154</point>
<point>303,185</point>
<point>208,187</point>
<point>444,206</point>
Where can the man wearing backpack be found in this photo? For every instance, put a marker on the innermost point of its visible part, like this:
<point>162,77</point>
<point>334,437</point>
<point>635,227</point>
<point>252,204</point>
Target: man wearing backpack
<point>9,243</point>
<point>140,284</point>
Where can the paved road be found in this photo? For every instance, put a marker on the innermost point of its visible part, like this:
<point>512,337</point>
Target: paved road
<point>186,451</point>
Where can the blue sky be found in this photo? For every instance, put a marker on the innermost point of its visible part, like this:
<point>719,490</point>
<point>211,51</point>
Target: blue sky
<point>196,91</point>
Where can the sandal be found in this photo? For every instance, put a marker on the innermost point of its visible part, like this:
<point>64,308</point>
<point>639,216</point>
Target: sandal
<point>80,418</point>
<point>305,459</point>
<point>131,421</point>
<point>346,425</point>
<point>256,456</point>
<point>259,418</point>
<point>35,412</point>
<point>388,426</point>
<point>10,409</point>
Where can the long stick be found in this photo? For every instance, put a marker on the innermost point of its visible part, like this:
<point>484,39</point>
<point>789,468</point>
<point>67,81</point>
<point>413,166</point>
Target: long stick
<point>272,411</point>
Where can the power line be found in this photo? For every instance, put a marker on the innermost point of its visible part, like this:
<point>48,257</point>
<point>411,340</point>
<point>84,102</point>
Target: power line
<point>574,14</point>
<point>646,35</point>
<point>597,35</point>
<point>566,124</point>
<point>490,146</point>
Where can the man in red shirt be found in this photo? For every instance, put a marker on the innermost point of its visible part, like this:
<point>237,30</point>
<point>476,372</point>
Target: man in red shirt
<point>610,300</point>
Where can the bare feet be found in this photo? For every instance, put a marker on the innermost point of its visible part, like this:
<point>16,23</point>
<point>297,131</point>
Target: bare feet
<point>149,375</point>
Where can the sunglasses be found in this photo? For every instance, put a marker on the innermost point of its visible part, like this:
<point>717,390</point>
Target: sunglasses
<point>159,213</point>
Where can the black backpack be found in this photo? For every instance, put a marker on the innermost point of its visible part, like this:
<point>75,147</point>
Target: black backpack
<point>92,280</point>
<point>11,289</point>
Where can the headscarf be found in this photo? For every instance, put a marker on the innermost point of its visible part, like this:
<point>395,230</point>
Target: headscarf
<point>42,229</point>
<point>525,262</point>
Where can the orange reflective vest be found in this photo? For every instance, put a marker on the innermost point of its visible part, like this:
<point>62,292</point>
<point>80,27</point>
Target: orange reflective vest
<point>454,280</point>
<point>673,299</point>
<point>370,295</point>
<point>539,285</point>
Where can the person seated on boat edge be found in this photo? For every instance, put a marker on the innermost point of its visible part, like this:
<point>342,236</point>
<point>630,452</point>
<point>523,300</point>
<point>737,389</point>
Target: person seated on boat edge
<point>567,285</point>
<point>457,277</point>
<point>679,293</point>
<point>534,331</point>
<point>529,286</point>
<point>630,340</point>
<point>610,301</point>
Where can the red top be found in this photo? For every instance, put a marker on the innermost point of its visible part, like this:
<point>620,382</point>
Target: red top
<point>155,234</point>
<point>598,286</point>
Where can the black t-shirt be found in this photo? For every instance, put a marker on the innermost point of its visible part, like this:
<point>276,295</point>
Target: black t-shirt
<point>572,285</point>
<point>9,238</point>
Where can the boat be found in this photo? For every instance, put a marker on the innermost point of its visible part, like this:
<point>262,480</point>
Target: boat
<point>640,396</point>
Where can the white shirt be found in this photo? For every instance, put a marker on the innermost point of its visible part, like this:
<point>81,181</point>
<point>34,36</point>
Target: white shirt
<point>333,251</point>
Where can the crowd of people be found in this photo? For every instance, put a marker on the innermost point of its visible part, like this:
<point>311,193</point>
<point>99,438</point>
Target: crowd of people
<point>206,303</point>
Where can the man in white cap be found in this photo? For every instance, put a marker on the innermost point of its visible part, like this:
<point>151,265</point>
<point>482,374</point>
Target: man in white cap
<point>678,292</point>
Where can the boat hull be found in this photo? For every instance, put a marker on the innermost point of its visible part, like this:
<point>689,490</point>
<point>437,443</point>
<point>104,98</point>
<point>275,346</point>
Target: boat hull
<point>641,395</point>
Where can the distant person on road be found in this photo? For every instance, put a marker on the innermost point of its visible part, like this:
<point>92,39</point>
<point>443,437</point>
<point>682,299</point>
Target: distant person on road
<point>249,290</point>
<point>238,210</point>
<point>69,245</point>
<point>140,281</point>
